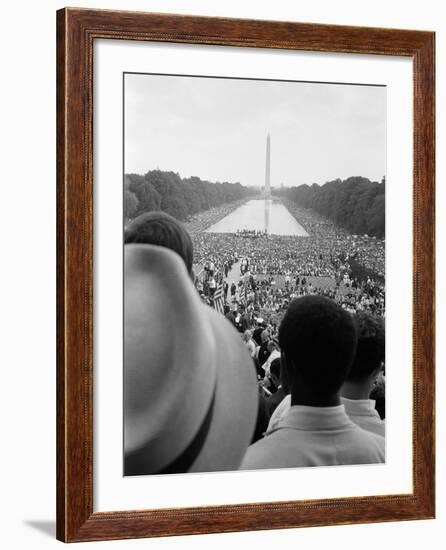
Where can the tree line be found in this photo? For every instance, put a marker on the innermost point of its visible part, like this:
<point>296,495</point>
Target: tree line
<point>180,197</point>
<point>357,204</point>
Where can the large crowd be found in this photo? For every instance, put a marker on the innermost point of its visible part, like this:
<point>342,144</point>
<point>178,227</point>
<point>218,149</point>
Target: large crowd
<point>297,366</point>
<point>273,269</point>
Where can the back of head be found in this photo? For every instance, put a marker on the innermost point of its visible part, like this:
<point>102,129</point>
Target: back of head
<point>318,339</point>
<point>161,229</point>
<point>371,348</point>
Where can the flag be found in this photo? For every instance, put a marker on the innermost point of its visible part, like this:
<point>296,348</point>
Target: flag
<point>219,298</point>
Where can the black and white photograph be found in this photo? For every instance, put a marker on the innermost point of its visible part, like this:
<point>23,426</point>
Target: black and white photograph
<point>222,322</point>
<point>254,274</point>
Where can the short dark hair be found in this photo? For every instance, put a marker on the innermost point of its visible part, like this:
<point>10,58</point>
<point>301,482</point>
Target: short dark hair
<point>161,229</point>
<point>371,348</point>
<point>318,339</point>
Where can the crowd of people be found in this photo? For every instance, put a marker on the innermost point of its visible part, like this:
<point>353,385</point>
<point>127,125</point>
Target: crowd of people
<point>274,269</point>
<point>251,233</point>
<point>297,368</point>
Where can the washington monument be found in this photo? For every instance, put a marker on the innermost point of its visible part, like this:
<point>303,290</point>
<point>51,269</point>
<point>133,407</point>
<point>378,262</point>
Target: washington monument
<point>268,168</point>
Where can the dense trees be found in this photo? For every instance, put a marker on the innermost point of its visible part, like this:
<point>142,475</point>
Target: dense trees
<point>130,204</point>
<point>356,203</point>
<point>167,191</point>
<point>147,197</point>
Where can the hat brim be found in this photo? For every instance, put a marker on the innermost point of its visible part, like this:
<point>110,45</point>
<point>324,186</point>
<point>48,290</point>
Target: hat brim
<point>235,404</point>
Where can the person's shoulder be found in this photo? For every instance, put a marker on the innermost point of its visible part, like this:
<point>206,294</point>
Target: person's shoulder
<point>261,454</point>
<point>371,441</point>
<point>279,412</point>
<point>380,443</point>
<point>378,438</point>
<point>379,427</point>
<point>372,424</point>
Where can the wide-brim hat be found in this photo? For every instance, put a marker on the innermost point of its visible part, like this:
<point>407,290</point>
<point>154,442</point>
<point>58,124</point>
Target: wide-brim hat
<point>190,387</point>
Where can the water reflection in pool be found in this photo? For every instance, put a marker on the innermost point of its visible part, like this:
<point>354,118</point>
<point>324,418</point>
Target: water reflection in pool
<point>259,215</point>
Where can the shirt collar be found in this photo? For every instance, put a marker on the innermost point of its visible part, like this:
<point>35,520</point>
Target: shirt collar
<point>302,417</point>
<point>359,407</point>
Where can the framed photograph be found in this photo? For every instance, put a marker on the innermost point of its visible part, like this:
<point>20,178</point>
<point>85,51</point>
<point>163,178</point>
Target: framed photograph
<point>244,210</point>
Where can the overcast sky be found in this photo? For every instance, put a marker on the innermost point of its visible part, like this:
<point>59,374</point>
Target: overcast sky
<point>216,129</point>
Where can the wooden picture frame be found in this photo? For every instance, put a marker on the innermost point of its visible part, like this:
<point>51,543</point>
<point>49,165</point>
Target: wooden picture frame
<point>76,31</point>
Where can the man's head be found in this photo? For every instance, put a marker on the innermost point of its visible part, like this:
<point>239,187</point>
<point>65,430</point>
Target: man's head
<point>371,347</point>
<point>318,342</point>
<point>272,345</point>
<point>161,229</point>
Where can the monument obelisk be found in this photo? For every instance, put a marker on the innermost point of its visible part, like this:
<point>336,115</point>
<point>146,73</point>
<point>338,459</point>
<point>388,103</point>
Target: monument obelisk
<point>268,168</point>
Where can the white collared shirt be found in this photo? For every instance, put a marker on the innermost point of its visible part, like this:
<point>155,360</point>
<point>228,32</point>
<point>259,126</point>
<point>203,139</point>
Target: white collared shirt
<point>363,413</point>
<point>279,413</point>
<point>315,436</point>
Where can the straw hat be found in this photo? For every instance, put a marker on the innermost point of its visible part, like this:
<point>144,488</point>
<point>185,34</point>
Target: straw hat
<point>190,388</point>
